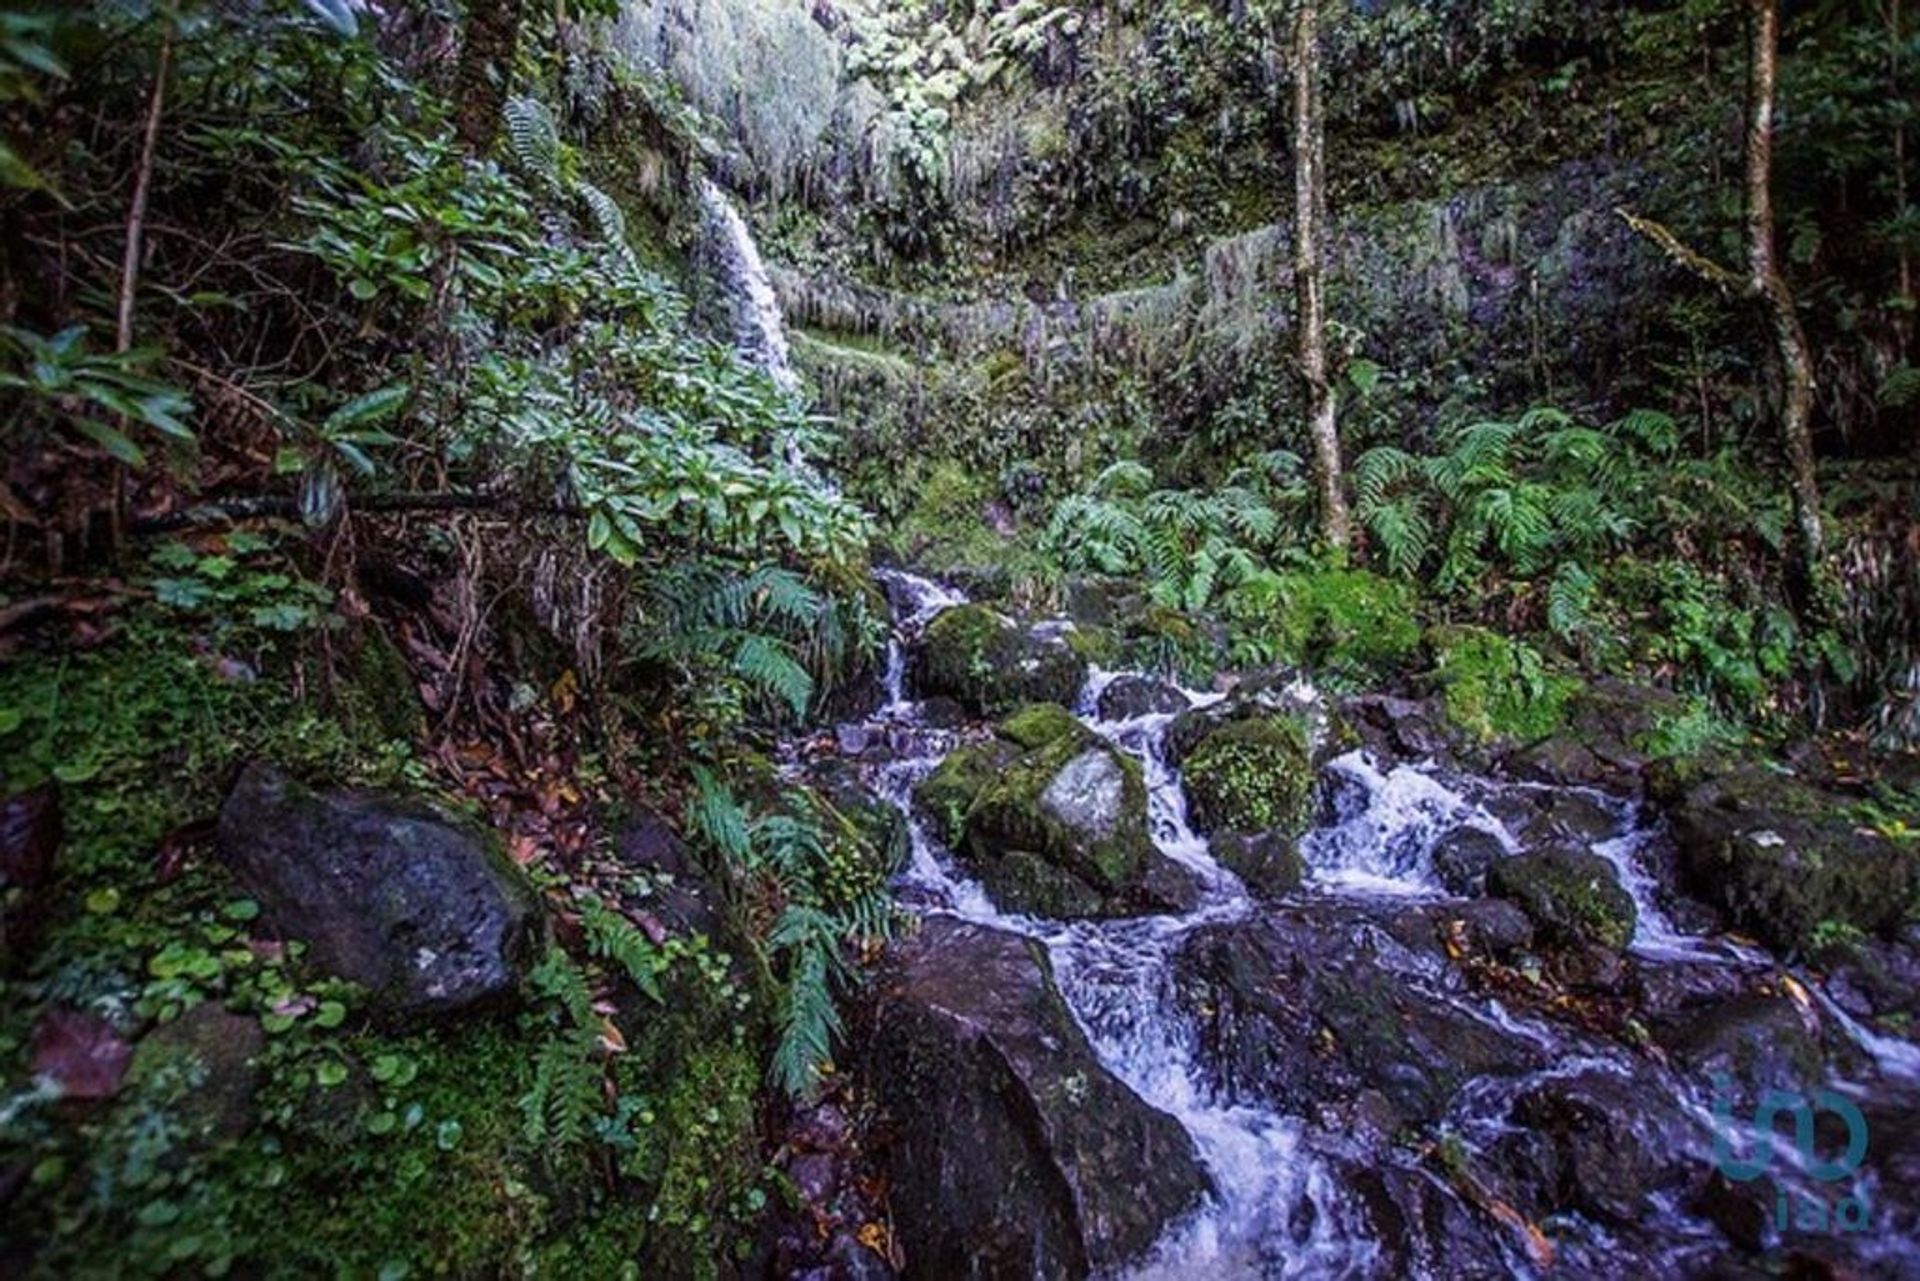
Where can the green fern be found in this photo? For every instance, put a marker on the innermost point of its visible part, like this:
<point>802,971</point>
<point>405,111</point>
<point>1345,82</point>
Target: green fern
<point>612,937</point>
<point>533,138</point>
<point>566,1091</point>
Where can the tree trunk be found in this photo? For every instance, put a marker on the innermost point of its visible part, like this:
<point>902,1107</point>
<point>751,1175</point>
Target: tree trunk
<point>1309,192</point>
<point>485,71</point>
<point>1765,281</point>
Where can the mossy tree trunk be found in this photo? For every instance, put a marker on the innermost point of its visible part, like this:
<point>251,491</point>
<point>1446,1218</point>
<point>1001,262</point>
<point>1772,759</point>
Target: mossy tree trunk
<point>1309,274</point>
<point>486,69</point>
<point>1766,283</point>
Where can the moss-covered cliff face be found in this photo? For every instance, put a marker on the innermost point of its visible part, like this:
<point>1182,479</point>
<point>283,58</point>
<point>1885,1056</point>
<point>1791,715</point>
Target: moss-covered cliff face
<point>1038,237</point>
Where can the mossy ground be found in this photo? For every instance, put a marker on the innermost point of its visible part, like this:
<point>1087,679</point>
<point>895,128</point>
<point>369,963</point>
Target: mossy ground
<point>353,1149</point>
<point>1496,687</point>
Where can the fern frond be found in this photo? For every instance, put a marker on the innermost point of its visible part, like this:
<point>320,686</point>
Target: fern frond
<point>534,138</point>
<point>715,815</point>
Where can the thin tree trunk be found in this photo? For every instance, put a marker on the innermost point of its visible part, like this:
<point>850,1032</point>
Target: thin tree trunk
<point>1896,41</point>
<point>485,71</point>
<point>1309,192</point>
<point>137,208</point>
<point>1765,281</point>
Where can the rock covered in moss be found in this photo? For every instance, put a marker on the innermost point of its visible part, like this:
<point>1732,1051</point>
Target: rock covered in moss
<point>1780,856</point>
<point>1572,897</point>
<point>1251,775</point>
<point>1268,863</point>
<point>388,892</point>
<point>991,664</point>
<point>1052,820</point>
<point>1016,1152</point>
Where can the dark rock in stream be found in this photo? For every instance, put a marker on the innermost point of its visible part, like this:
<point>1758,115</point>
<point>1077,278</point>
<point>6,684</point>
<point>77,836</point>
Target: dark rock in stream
<point>1759,1042</point>
<point>1462,858</point>
<point>1573,897</point>
<point>1298,1008</point>
<point>388,892</point>
<point>1015,1154</point>
<point>1594,1142</point>
<point>1127,697</point>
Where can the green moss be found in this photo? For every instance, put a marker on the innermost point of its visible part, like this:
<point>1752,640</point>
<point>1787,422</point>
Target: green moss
<point>1499,688</point>
<point>1346,621</point>
<point>1013,815</point>
<point>974,655</point>
<point>1251,775</point>
<point>1038,724</point>
<point>948,794</point>
<point>1169,642</point>
<point>1098,646</point>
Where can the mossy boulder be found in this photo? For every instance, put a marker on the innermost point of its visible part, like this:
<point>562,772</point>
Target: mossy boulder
<point>1572,897</point>
<point>992,665</point>
<point>1016,1153</point>
<point>1251,775</point>
<point>1039,724</point>
<point>1781,857</point>
<point>946,796</point>
<point>426,913</point>
<point>1268,863</point>
<point>1052,820</point>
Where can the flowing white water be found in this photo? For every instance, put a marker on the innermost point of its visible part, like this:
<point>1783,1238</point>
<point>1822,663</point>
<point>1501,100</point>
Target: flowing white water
<point>1281,1207</point>
<point>759,330</point>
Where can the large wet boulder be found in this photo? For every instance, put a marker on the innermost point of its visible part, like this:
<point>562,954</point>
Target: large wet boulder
<point>991,665</point>
<point>388,892</point>
<point>1781,856</point>
<point>1594,1142</point>
<point>1053,821</point>
<point>1573,898</point>
<point>1014,1154</point>
<point>1302,1008</point>
<point>1463,857</point>
<point>1758,1041</point>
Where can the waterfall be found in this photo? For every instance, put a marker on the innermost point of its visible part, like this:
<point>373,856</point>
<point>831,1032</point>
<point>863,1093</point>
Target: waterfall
<point>752,309</point>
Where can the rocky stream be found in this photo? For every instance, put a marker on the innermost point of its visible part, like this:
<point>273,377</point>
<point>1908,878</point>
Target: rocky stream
<point>1265,983</point>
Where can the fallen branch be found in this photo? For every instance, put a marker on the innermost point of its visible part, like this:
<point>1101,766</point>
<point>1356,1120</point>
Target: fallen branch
<point>233,510</point>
